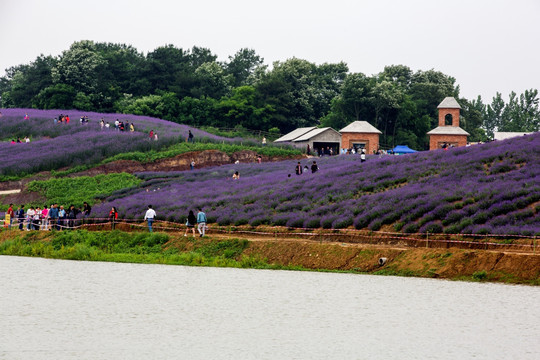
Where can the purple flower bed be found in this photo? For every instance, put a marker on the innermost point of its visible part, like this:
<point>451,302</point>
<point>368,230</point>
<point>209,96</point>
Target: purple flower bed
<point>56,145</point>
<point>41,123</point>
<point>454,191</point>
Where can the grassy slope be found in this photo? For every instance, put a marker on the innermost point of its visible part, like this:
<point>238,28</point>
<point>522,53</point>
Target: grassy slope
<point>159,248</point>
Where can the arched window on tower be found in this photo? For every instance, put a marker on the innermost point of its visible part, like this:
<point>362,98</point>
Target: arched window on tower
<point>448,120</point>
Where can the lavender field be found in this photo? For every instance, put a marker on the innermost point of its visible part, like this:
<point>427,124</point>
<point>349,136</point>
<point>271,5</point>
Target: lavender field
<point>56,145</point>
<point>483,189</point>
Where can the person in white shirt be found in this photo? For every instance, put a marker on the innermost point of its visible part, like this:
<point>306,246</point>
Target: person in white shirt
<point>30,218</point>
<point>149,216</point>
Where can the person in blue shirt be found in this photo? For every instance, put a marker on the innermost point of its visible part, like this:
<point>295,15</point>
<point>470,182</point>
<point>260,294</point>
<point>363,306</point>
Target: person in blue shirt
<point>53,216</point>
<point>20,216</point>
<point>201,222</point>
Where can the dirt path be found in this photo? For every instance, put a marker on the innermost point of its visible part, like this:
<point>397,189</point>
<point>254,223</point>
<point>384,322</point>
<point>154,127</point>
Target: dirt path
<point>8,192</point>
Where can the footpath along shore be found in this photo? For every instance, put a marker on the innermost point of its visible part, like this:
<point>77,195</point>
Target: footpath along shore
<point>285,251</point>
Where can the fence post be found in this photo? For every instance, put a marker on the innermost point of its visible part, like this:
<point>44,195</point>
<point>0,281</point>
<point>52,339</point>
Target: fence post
<point>534,244</point>
<point>427,239</point>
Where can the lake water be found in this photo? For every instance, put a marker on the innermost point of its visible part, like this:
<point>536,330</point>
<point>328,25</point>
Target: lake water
<point>54,309</point>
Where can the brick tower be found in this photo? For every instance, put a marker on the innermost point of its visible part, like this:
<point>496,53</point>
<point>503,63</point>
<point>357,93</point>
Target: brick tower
<point>448,133</point>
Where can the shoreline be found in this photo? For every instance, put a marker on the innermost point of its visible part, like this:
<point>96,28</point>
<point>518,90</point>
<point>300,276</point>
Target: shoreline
<point>292,254</point>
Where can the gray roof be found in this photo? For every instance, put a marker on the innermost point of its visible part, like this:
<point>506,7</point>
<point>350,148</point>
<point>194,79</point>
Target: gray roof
<point>448,130</point>
<point>314,133</point>
<point>295,134</point>
<point>497,135</point>
<point>449,103</point>
<point>360,127</point>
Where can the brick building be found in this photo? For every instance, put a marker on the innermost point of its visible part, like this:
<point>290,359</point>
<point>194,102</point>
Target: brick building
<point>448,133</point>
<point>360,135</point>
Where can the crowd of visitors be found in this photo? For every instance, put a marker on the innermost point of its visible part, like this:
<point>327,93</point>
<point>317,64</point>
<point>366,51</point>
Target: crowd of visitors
<point>37,218</point>
<point>59,218</point>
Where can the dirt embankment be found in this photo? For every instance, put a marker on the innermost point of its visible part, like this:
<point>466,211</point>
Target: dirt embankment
<point>181,162</point>
<point>451,263</point>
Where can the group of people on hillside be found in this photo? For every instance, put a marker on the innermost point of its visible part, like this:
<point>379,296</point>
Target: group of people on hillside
<point>120,125</point>
<point>200,220</point>
<point>150,216</point>
<point>19,141</point>
<point>153,135</point>
<point>37,218</point>
<point>299,170</point>
<point>62,119</point>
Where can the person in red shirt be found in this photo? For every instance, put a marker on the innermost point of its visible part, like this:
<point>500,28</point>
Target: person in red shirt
<point>11,214</point>
<point>113,215</point>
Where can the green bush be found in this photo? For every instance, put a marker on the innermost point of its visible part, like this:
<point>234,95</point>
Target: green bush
<point>411,228</point>
<point>67,191</point>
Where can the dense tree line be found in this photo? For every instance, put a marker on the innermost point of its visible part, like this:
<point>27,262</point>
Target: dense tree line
<point>192,87</point>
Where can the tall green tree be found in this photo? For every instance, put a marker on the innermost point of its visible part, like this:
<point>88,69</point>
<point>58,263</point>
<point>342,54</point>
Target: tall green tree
<point>521,114</point>
<point>493,115</point>
<point>242,66</point>
<point>79,67</point>
<point>241,109</point>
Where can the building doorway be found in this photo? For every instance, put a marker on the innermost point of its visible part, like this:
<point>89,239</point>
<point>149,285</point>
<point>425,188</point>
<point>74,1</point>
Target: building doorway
<point>326,148</point>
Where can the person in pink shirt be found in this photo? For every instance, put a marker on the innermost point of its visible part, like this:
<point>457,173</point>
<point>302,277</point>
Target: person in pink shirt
<point>45,218</point>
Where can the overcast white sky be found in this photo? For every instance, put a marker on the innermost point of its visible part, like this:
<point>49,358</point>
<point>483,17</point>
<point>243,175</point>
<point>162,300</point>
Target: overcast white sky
<point>487,45</point>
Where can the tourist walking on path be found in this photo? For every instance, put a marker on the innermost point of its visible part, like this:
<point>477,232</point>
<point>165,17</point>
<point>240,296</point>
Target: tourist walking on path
<point>149,216</point>
<point>190,223</point>
<point>192,164</point>
<point>113,215</point>
<point>201,222</point>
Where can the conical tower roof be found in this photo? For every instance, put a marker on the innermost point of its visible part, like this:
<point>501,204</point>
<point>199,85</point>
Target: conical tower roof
<point>449,103</point>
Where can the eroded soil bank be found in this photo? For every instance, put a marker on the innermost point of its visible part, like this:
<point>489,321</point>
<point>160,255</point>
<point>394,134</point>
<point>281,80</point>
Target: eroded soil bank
<point>450,263</point>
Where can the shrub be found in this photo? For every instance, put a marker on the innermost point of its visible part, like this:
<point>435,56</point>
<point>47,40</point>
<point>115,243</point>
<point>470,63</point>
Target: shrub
<point>327,221</point>
<point>433,228</point>
<point>480,275</point>
<point>375,225</point>
<point>313,223</point>
<point>361,222</point>
<point>398,226</point>
<point>452,229</point>
<point>295,222</point>
<point>241,221</point>
<point>342,223</point>
<point>411,228</point>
